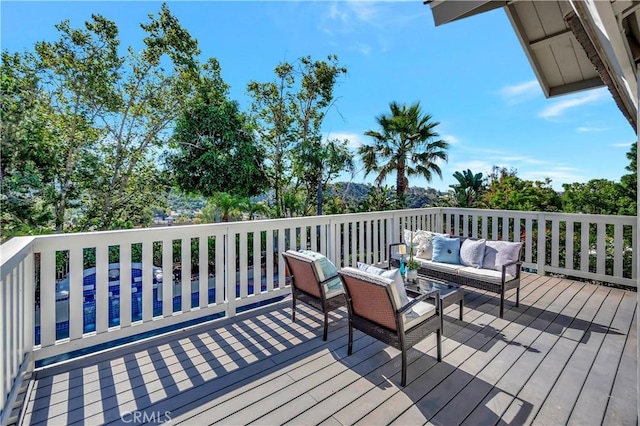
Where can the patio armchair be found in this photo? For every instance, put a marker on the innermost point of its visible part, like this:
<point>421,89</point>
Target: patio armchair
<point>314,281</point>
<point>374,308</point>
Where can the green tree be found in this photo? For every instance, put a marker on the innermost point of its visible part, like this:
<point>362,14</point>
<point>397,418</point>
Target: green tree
<point>271,111</point>
<point>379,198</point>
<point>289,113</point>
<point>155,85</point>
<point>629,183</point>
<point>406,144</point>
<point>506,191</point>
<point>24,153</point>
<point>598,196</point>
<point>78,73</point>
<point>216,151</point>
<point>227,206</point>
<point>468,189</point>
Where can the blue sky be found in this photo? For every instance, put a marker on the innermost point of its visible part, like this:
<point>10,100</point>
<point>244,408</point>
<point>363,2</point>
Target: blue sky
<point>472,76</point>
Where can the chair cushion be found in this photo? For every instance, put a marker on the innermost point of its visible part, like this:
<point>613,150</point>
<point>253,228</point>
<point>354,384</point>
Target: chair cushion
<point>397,289</point>
<point>446,250</point>
<point>333,288</point>
<point>420,312</point>
<point>497,253</point>
<point>324,267</point>
<point>472,252</point>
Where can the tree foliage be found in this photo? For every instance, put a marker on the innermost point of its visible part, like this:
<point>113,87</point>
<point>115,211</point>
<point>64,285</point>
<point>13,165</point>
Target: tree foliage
<point>506,191</point>
<point>468,189</point>
<point>289,113</point>
<point>216,151</point>
<point>406,144</point>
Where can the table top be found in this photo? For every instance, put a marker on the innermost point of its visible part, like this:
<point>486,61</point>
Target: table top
<point>422,285</point>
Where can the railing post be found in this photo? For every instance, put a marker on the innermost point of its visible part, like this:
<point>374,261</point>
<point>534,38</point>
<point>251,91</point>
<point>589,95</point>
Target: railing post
<point>542,247</point>
<point>230,285</point>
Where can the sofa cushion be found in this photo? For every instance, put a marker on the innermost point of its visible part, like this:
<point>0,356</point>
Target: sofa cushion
<point>487,275</point>
<point>397,289</point>
<point>446,250</point>
<point>497,253</point>
<point>422,242</point>
<point>419,313</point>
<point>472,252</point>
<point>442,267</point>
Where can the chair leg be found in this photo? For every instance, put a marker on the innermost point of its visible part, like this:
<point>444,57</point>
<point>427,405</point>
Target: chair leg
<point>517,296</point>
<point>461,308</point>
<point>350,349</point>
<point>293,309</point>
<point>439,344</point>
<point>502,304</point>
<point>403,382</point>
<point>326,326</point>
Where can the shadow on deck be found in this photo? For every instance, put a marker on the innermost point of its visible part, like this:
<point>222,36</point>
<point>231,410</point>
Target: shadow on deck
<point>567,354</point>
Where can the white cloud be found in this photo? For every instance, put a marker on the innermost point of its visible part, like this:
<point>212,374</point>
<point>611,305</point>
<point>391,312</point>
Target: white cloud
<point>355,139</point>
<point>520,92</point>
<point>622,145</point>
<point>560,107</point>
<point>557,174</point>
<point>453,140</point>
<point>585,129</point>
<point>355,21</point>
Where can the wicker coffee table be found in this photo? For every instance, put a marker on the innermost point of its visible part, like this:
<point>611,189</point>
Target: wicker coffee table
<point>450,293</point>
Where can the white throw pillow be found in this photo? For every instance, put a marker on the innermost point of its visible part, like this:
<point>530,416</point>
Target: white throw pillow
<point>422,242</point>
<point>398,290</point>
<point>472,252</point>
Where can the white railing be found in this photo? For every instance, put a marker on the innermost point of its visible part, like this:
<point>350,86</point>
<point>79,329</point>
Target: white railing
<point>16,321</point>
<point>597,247</point>
<point>96,288</point>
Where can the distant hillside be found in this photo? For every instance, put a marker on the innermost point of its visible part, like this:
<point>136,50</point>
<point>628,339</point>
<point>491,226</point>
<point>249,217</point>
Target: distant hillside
<point>355,193</point>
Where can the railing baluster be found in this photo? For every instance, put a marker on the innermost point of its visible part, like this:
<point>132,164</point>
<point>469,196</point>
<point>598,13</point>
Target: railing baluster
<point>47,298</point>
<point>601,248</point>
<point>126,285</point>
<point>569,237</point>
<point>147,281</point>
<point>269,260</point>
<point>618,250</point>
<point>203,271</point>
<point>257,262</point>
<point>167,278</point>
<point>585,247</point>
<point>102,289</point>
<point>555,240</point>
<point>185,268</point>
<point>76,294</point>
<point>220,256</point>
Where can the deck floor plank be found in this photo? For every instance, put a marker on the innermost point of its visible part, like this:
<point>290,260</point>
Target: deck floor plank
<point>541,383</point>
<point>553,360</point>
<point>498,333</point>
<point>503,393</point>
<point>591,404</point>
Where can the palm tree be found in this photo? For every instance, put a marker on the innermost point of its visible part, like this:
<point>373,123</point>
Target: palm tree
<point>407,144</point>
<point>468,187</point>
<point>228,205</point>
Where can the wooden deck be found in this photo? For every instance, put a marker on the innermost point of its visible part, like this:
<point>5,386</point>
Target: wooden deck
<point>567,355</point>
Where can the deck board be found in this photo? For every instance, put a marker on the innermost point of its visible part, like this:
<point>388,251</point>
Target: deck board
<point>567,355</point>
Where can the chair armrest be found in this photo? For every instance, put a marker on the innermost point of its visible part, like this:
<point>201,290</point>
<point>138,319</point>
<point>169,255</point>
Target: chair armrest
<point>506,265</point>
<point>433,294</point>
<point>329,279</point>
